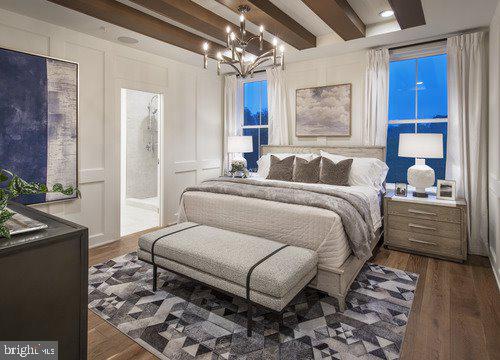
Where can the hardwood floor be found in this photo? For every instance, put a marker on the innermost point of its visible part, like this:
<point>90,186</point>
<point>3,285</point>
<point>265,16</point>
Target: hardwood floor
<point>455,313</point>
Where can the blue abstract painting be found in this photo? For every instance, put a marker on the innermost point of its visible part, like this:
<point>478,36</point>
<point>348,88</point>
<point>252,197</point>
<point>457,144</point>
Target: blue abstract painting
<point>38,120</point>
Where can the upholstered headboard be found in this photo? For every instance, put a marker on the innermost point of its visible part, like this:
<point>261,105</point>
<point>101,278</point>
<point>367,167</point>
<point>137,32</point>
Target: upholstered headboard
<point>377,152</point>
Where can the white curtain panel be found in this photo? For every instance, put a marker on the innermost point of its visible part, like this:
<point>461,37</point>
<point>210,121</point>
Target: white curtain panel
<point>466,161</point>
<point>232,122</point>
<point>277,102</point>
<point>376,97</point>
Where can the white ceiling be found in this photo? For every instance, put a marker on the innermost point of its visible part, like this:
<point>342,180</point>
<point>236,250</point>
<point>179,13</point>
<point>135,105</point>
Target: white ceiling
<point>369,10</point>
<point>442,17</point>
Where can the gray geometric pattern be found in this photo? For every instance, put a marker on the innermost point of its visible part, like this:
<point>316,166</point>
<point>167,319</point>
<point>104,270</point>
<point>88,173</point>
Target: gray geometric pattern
<point>186,320</point>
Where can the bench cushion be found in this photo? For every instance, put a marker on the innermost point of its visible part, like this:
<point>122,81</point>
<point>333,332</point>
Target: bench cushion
<point>230,255</point>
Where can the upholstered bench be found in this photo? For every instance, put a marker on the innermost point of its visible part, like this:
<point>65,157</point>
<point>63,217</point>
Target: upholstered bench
<point>262,271</point>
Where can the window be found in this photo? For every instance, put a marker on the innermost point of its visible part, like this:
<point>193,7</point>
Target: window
<point>417,103</point>
<point>255,118</point>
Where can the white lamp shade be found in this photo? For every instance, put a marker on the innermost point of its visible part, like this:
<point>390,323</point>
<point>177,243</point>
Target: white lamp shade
<point>239,144</point>
<point>422,146</point>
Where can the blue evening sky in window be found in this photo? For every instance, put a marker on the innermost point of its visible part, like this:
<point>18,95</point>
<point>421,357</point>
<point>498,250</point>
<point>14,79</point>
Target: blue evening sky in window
<point>255,114</point>
<point>417,91</point>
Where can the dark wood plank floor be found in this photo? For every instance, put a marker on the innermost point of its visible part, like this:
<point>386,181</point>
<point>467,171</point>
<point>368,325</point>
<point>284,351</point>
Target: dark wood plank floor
<point>455,313</point>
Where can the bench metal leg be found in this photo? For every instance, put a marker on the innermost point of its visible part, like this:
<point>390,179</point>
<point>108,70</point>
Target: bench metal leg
<point>249,319</point>
<point>155,274</point>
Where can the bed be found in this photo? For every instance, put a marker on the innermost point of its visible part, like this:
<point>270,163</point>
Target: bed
<point>316,228</point>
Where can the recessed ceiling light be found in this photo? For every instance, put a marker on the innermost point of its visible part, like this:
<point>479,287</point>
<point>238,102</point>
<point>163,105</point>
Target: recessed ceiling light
<point>386,13</point>
<point>127,40</point>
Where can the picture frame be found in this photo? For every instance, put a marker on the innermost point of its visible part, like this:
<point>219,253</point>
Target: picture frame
<point>51,132</point>
<point>324,111</point>
<point>446,190</point>
<point>401,189</point>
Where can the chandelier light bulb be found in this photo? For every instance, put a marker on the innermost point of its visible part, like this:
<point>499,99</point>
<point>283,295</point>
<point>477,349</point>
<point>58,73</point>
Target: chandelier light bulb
<point>237,54</point>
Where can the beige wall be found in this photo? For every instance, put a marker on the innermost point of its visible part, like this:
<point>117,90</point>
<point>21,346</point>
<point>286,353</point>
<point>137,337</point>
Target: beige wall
<point>341,69</point>
<point>191,124</point>
<point>494,143</point>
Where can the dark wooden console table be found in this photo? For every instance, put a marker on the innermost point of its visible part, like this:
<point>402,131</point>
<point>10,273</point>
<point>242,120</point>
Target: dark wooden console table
<point>43,285</point>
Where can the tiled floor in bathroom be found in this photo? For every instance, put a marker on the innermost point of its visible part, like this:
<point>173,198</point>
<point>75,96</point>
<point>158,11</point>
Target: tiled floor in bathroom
<point>135,219</point>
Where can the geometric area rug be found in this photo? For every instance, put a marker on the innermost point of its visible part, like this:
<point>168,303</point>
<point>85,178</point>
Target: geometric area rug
<point>186,320</point>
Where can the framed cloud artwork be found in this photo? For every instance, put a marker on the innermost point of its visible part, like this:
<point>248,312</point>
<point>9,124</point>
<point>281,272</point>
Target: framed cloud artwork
<point>39,120</point>
<point>323,111</point>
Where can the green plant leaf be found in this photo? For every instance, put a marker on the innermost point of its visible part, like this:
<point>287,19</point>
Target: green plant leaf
<point>17,186</point>
<point>4,232</point>
<point>3,176</point>
<point>5,215</point>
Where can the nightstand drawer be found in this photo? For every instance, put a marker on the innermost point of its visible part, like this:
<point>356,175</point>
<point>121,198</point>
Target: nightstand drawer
<point>429,227</point>
<point>426,212</point>
<point>431,244</point>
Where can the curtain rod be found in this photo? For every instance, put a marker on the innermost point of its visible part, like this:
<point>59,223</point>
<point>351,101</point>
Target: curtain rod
<point>431,39</point>
<point>416,44</point>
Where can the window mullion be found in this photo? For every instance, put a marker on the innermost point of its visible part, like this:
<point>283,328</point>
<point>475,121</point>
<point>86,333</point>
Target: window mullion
<point>416,96</point>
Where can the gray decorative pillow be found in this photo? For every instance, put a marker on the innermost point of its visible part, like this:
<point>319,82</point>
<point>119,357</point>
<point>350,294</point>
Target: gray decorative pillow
<point>306,171</point>
<point>335,174</point>
<point>281,169</point>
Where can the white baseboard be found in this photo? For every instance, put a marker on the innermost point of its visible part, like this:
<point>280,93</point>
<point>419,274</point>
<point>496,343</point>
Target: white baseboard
<point>99,240</point>
<point>494,266</point>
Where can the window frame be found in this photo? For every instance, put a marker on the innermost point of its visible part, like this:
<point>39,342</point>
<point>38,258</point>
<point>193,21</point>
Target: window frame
<point>241,108</point>
<point>418,52</point>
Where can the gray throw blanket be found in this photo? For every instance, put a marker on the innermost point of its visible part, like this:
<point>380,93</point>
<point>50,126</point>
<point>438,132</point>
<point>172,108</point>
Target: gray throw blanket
<point>353,210</point>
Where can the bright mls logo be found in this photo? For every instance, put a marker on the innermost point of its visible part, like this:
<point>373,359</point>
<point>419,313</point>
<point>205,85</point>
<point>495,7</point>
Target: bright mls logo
<point>39,350</point>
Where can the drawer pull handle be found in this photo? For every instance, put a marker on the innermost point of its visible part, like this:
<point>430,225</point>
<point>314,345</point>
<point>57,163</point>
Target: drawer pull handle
<point>422,242</point>
<point>413,211</point>
<point>422,227</point>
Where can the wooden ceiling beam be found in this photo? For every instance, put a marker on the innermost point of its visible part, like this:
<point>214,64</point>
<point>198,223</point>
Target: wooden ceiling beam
<point>408,13</point>
<point>119,14</point>
<point>198,18</point>
<point>275,21</point>
<point>339,16</point>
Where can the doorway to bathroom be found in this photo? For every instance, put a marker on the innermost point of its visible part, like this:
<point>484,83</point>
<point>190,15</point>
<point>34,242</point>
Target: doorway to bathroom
<point>140,160</point>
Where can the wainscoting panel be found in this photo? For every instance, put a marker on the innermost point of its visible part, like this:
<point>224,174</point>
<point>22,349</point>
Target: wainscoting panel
<point>23,40</point>
<point>91,104</point>
<point>341,69</point>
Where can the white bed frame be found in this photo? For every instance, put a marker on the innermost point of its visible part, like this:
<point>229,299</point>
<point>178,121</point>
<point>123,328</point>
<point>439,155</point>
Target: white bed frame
<point>336,281</point>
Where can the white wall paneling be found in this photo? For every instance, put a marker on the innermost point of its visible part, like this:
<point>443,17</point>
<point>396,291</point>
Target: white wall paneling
<point>192,123</point>
<point>341,69</point>
<point>494,144</point>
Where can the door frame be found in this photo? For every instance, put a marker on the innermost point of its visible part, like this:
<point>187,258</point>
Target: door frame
<point>162,92</point>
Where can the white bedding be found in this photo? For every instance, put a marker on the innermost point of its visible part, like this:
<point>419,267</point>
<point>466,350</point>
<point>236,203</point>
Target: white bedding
<point>309,227</point>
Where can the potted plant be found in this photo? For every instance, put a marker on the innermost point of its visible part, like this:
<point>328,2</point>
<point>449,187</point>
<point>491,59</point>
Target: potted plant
<point>11,186</point>
<point>238,169</point>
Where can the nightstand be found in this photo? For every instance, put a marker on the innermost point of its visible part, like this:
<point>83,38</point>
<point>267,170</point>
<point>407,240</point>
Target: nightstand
<point>426,226</point>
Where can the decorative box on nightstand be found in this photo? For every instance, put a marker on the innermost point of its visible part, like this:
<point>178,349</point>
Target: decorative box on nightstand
<point>426,226</point>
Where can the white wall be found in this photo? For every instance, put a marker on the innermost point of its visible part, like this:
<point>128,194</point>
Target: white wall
<point>192,122</point>
<point>494,143</point>
<point>341,69</point>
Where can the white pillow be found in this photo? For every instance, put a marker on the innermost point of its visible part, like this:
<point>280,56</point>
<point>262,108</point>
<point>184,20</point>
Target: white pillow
<point>264,163</point>
<point>364,171</point>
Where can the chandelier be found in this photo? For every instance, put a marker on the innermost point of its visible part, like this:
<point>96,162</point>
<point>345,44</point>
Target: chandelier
<point>236,55</point>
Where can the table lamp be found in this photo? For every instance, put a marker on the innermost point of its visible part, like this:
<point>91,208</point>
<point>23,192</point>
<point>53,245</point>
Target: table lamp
<point>421,147</point>
<point>237,145</point>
